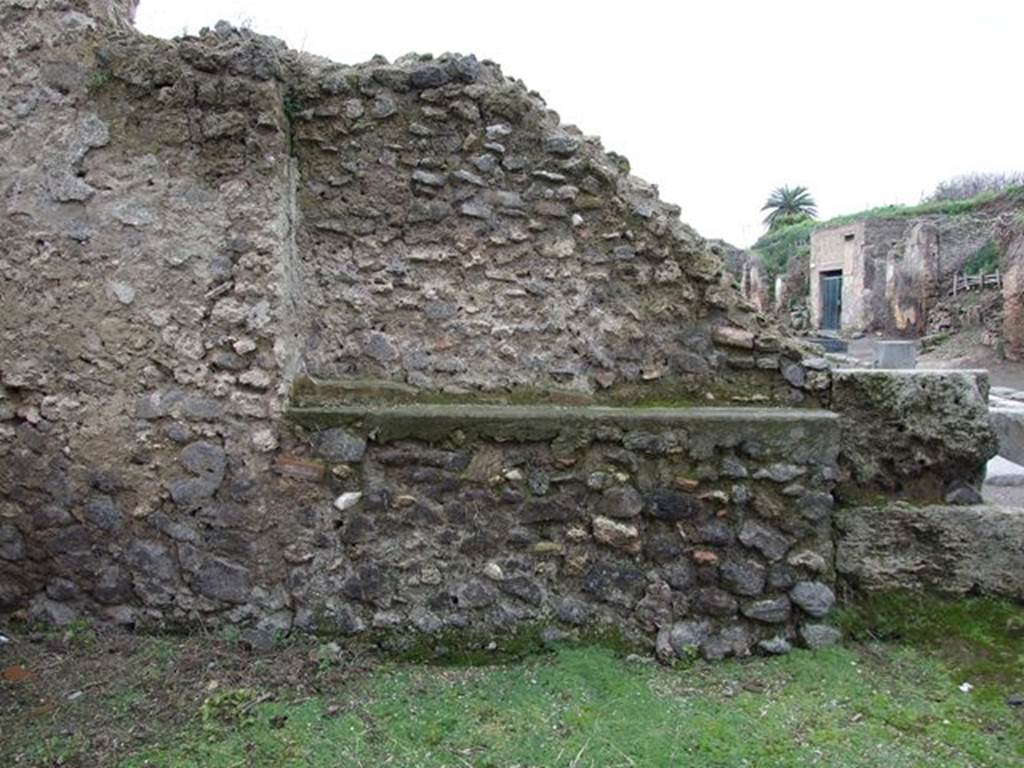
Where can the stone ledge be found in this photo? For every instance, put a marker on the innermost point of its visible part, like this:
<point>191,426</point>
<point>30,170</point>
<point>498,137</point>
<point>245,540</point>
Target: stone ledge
<point>313,392</point>
<point>533,423</point>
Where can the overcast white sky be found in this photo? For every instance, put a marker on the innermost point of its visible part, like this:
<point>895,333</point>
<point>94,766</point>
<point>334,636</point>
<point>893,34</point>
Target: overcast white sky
<point>717,102</point>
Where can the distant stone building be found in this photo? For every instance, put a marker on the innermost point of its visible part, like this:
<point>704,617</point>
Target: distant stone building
<point>887,274</point>
<point>847,273</point>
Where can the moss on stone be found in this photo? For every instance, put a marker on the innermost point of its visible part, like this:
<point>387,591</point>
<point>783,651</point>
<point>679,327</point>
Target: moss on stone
<point>467,647</point>
<point>915,492</point>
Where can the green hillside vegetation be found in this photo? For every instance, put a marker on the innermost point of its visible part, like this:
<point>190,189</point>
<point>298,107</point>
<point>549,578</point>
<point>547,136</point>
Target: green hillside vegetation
<point>946,207</point>
<point>778,246</point>
<point>984,261</point>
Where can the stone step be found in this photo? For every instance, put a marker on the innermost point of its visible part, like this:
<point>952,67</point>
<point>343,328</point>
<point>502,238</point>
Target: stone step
<point>1001,471</point>
<point>1008,393</point>
<point>994,401</point>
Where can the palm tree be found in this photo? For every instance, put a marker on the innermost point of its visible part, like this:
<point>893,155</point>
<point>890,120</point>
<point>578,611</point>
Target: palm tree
<point>789,205</point>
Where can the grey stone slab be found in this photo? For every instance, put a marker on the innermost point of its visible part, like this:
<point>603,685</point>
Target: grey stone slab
<point>1004,472</point>
<point>952,550</point>
<point>895,354</point>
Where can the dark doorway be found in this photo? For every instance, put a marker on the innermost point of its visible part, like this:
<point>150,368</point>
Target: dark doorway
<point>831,300</point>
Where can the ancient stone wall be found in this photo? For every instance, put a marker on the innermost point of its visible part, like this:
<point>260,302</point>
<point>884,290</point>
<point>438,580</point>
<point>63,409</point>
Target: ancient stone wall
<point>214,249</point>
<point>791,295</point>
<point>838,250</point>
<point>453,235</point>
<point>859,250</point>
<point>961,236</point>
<point>755,285</point>
<point>912,278</point>
<point>189,226</point>
<point>1013,295</point>
<point>146,263</point>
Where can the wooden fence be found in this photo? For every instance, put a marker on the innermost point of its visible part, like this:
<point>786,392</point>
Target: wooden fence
<point>963,282</point>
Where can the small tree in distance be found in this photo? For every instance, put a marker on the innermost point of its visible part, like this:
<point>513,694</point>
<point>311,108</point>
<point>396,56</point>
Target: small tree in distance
<point>789,205</point>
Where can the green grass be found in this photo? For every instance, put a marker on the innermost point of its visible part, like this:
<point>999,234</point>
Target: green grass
<point>978,640</point>
<point>834,707</point>
<point>53,750</point>
<point>872,703</point>
<point>890,697</point>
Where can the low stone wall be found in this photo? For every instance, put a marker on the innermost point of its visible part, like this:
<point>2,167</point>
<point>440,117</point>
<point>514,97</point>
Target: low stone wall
<point>712,526</point>
<point>453,517</point>
<point>708,529</point>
